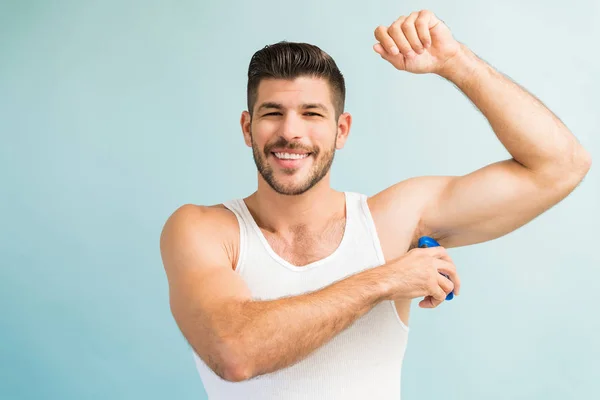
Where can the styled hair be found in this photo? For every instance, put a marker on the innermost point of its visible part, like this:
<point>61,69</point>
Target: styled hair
<point>290,60</point>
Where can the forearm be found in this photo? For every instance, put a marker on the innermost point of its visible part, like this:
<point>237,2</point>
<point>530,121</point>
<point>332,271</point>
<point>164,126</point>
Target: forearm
<point>531,133</point>
<point>278,333</point>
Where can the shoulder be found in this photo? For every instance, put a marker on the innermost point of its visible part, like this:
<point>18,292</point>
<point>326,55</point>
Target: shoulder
<point>189,218</point>
<point>397,210</point>
<point>212,231</point>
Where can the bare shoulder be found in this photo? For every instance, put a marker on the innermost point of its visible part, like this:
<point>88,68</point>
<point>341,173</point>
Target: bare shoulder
<point>397,212</point>
<point>196,231</point>
<point>197,256</point>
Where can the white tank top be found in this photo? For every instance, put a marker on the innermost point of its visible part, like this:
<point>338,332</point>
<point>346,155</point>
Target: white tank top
<point>362,362</point>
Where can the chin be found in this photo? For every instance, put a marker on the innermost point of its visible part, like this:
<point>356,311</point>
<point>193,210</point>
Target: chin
<point>290,187</point>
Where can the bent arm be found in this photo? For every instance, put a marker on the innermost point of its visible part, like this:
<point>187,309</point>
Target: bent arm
<point>533,135</point>
<point>236,336</point>
<point>276,334</point>
<point>547,164</point>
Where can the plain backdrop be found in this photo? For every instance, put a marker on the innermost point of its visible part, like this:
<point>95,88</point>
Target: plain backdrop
<point>115,113</point>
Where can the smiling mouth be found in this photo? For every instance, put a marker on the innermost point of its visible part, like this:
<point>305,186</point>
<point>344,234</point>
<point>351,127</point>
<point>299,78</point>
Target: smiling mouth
<point>290,156</point>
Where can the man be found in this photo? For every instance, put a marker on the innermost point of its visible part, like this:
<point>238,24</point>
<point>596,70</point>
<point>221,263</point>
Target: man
<point>301,291</point>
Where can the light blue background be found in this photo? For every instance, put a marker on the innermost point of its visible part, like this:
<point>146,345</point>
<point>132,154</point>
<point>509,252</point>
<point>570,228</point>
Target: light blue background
<point>113,114</point>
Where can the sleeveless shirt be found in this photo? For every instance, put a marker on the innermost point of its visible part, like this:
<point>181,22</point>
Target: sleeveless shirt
<point>362,362</point>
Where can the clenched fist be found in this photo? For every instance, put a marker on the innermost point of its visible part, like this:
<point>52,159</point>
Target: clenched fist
<point>419,43</point>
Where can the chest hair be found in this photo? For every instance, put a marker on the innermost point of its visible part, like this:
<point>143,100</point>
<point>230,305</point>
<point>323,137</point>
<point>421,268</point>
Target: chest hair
<point>301,246</point>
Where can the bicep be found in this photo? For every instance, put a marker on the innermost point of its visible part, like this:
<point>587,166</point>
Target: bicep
<point>202,283</point>
<point>485,204</point>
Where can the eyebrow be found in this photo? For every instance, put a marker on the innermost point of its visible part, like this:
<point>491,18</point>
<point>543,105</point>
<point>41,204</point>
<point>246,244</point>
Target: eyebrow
<point>305,106</point>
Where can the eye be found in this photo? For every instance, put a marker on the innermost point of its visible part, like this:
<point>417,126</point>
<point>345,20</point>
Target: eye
<point>310,114</point>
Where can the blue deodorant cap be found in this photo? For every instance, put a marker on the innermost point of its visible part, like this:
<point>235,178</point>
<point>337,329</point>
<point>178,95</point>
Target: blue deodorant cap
<point>426,241</point>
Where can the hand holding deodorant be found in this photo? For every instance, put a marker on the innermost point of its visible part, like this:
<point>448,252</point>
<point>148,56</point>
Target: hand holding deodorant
<point>426,241</point>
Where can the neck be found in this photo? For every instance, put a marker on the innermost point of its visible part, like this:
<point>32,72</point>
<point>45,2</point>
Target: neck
<point>312,209</point>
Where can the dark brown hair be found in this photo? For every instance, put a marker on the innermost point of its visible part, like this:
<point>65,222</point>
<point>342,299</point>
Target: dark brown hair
<point>290,60</point>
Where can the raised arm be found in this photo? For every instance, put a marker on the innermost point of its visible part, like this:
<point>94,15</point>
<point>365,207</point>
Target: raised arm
<point>547,161</point>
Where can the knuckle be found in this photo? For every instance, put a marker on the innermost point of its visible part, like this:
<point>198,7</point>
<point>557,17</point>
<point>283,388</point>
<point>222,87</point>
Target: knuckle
<point>431,283</point>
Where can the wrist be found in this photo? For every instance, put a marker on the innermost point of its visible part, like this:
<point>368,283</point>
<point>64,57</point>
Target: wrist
<point>461,67</point>
<point>386,288</point>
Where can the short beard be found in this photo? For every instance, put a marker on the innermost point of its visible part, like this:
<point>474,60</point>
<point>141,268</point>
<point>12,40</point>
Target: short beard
<point>320,168</point>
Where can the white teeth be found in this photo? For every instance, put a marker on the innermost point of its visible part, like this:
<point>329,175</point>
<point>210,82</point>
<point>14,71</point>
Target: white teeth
<point>290,156</point>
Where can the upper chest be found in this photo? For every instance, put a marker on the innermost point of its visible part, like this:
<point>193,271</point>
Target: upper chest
<point>302,245</point>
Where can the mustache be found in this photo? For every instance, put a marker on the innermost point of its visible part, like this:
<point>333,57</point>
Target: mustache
<point>284,144</point>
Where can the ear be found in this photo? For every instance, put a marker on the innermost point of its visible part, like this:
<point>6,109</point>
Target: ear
<point>343,130</point>
<point>245,122</point>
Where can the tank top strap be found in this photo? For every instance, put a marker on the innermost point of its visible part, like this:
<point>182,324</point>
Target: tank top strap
<point>244,225</point>
<point>368,224</point>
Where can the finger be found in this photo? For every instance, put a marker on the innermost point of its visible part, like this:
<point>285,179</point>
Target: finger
<point>445,284</point>
<point>382,36</point>
<point>397,35</point>
<point>430,302</point>
<point>436,252</point>
<point>379,49</point>
<point>427,302</point>
<point>449,269</point>
<point>410,32</point>
<point>422,25</point>
<point>444,267</point>
<point>455,278</point>
<point>438,293</point>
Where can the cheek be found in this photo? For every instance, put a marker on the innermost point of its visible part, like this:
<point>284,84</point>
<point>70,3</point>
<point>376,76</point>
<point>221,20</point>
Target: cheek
<point>255,138</point>
<point>263,132</point>
<point>325,137</point>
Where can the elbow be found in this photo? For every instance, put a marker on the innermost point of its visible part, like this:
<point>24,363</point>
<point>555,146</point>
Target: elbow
<point>581,166</point>
<point>582,161</point>
<point>567,174</point>
<point>233,365</point>
<point>586,162</point>
<point>235,372</point>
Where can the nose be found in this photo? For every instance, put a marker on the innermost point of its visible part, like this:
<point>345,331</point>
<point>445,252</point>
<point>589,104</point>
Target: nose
<point>291,127</point>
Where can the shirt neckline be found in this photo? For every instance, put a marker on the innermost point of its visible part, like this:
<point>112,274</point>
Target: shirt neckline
<point>284,262</point>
